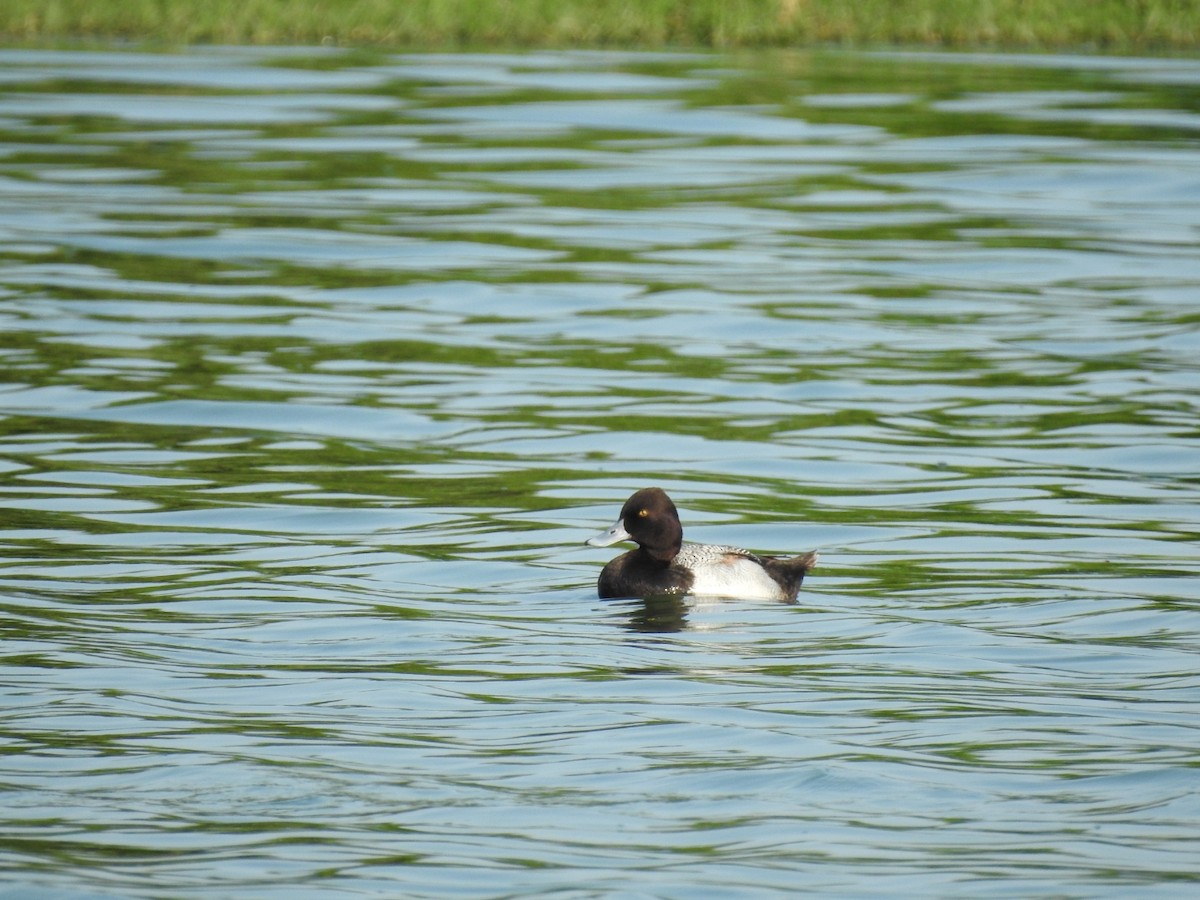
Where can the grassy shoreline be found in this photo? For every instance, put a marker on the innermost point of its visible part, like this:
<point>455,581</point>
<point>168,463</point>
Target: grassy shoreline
<point>1123,26</point>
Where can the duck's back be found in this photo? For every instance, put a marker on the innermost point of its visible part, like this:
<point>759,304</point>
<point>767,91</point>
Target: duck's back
<point>723,571</point>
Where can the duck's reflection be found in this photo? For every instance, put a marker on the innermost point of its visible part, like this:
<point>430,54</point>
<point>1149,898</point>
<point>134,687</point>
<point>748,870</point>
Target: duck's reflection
<point>667,613</point>
<point>660,614</point>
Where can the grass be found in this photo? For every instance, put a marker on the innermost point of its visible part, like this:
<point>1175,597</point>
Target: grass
<point>1113,25</point>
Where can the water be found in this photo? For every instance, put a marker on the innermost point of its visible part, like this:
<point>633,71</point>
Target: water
<point>320,366</point>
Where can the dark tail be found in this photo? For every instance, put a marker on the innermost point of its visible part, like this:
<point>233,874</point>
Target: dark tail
<point>790,572</point>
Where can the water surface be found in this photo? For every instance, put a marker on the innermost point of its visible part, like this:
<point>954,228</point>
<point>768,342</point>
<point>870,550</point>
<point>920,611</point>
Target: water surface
<point>319,366</point>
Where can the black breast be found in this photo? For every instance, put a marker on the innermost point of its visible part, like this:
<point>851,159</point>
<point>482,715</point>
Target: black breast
<point>637,574</point>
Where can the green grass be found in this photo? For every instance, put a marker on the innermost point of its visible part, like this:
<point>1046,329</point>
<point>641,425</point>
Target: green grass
<point>1117,25</point>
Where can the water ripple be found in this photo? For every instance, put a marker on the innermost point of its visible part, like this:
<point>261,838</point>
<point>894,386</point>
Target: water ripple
<point>320,366</point>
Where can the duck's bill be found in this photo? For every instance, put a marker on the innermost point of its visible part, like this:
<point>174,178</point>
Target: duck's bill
<point>614,535</point>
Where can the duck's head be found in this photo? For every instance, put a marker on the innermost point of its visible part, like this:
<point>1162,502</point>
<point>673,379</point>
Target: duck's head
<point>649,519</point>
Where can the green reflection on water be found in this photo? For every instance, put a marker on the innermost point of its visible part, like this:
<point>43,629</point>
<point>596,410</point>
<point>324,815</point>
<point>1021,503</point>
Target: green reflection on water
<point>307,412</point>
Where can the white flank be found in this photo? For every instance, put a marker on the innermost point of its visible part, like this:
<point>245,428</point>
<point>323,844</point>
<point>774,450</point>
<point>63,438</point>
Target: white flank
<point>722,572</point>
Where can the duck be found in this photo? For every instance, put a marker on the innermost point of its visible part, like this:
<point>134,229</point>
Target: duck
<point>664,564</point>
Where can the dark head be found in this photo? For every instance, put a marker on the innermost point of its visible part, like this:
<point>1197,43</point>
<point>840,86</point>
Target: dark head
<point>650,519</point>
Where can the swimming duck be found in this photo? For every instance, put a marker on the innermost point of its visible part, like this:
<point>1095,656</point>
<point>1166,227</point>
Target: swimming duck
<point>664,564</point>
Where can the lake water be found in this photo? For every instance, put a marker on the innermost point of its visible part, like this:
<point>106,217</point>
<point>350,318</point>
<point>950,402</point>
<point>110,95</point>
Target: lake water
<point>320,366</point>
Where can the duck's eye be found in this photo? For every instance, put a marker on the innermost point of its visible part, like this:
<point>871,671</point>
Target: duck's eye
<point>642,513</point>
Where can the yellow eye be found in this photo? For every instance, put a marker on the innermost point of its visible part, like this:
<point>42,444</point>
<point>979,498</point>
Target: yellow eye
<point>642,513</point>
